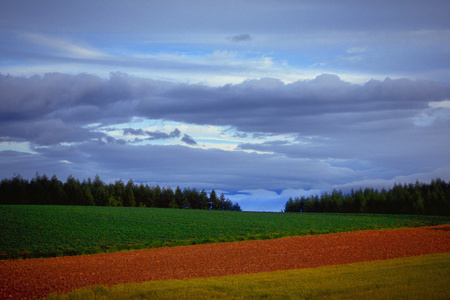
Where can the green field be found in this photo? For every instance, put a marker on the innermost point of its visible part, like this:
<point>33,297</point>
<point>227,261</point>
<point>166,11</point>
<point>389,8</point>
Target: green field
<point>421,277</point>
<point>44,231</point>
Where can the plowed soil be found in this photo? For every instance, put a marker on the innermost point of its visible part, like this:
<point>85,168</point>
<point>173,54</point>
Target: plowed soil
<point>31,278</point>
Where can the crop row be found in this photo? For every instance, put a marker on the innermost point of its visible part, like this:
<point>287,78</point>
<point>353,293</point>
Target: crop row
<point>41,231</point>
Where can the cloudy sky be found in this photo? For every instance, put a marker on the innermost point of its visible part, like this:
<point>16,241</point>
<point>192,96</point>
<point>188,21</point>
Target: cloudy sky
<point>260,100</point>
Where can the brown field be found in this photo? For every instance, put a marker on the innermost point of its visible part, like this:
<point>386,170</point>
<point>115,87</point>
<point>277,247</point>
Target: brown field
<point>28,278</point>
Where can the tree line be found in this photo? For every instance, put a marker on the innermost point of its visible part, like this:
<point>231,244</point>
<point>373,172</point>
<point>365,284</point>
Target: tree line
<point>51,191</point>
<point>418,198</point>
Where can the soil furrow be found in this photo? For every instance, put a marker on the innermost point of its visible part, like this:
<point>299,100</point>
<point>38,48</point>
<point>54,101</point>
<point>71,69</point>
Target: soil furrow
<point>28,278</point>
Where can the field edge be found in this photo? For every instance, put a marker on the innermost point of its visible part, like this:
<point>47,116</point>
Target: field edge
<point>415,277</point>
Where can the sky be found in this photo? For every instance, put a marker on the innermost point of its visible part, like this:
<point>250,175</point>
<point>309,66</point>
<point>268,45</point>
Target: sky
<point>259,100</point>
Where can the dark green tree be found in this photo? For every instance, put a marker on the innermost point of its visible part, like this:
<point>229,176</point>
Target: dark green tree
<point>167,198</point>
<point>128,195</point>
<point>225,203</point>
<point>88,198</point>
<point>214,202</point>
<point>56,191</point>
<point>99,191</point>
<point>179,199</point>
<point>192,197</point>
<point>73,190</point>
<point>203,200</point>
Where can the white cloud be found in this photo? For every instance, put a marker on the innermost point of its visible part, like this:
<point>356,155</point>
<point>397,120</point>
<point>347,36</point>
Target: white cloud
<point>440,104</point>
<point>63,46</point>
<point>6,145</point>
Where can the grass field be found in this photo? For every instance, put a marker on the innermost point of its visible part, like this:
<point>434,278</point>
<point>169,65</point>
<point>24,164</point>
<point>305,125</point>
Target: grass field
<point>421,277</point>
<point>44,231</point>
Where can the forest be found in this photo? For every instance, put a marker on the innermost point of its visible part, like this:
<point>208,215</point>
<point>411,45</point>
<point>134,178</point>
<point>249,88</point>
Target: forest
<point>51,191</point>
<point>418,198</point>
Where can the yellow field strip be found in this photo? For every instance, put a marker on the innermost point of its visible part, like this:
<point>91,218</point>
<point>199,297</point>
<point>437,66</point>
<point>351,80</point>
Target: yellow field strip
<point>421,277</point>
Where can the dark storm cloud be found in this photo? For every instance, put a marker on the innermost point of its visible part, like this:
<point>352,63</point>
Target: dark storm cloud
<point>189,140</point>
<point>176,133</point>
<point>30,98</point>
<point>153,135</point>
<point>47,132</point>
<point>325,105</point>
<point>241,37</point>
<point>157,135</point>
<point>133,131</point>
<point>307,107</point>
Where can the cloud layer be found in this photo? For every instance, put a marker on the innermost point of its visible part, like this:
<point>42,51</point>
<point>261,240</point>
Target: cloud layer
<point>309,135</point>
<point>220,43</point>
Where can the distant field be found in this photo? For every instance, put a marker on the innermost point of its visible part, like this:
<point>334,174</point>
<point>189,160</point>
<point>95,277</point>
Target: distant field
<point>44,231</point>
<point>421,277</point>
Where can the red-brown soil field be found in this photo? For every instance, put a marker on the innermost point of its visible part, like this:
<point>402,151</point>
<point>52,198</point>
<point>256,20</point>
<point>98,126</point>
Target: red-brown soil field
<point>30,278</point>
